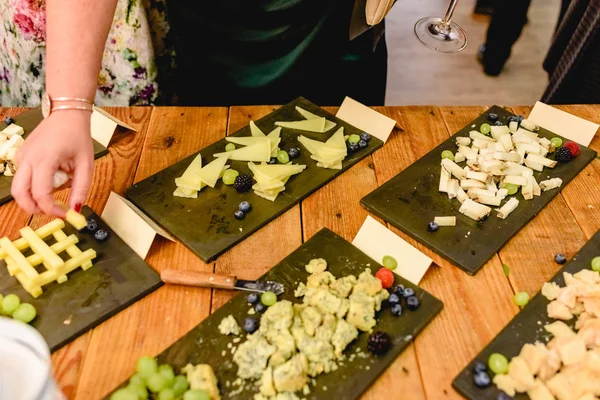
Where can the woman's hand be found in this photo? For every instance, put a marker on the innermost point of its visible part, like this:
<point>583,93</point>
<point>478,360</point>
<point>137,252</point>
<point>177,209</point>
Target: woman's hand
<point>61,142</point>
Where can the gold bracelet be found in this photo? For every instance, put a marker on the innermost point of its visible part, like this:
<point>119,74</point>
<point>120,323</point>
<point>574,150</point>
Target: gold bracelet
<point>82,108</point>
<point>47,105</point>
<point>74,99</point>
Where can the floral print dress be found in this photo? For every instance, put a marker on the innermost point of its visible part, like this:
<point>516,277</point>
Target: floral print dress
<point>133,54</point>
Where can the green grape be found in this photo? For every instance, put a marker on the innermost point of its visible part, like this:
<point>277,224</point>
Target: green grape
<point>512,188</point>
<point>596,264</point>
<point>156,382</point>
<point>167,371</point>
<point>521,299</point>
<point>180,385</point>
<point>447,154</point>
<point>166,394</point>
<point>139,390</point>
<point>283,157</point>
<point>124,394</point>
<point>353,139</point>
<point>389,262</point>
<point>146,366</point>
<point>10,303</point>
<point>268,298</point>
<point>196,395</point>
<point>498,364</point>
<point>137,380</point>
<point>229,176</point>
<point>230,147</point>
<point>485,129</point>
<point>25,313</point>
<point>556,141</point>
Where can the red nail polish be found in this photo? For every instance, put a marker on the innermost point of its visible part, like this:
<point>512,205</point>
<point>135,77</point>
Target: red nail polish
<point>78,207</point>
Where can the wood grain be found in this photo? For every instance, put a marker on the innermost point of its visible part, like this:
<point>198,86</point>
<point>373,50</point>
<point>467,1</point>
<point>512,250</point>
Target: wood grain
<point>263,250</point>
<point>159,319</point>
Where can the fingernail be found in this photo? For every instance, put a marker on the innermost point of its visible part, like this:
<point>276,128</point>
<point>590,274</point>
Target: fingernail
<point>78,207</point>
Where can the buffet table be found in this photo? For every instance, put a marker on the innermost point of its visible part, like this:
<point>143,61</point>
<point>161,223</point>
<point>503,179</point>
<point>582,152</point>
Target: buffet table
<point>475,308</point>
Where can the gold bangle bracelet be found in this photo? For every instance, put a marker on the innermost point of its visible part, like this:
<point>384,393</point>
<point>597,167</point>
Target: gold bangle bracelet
<point>82,108</point>
<point>75,99</point>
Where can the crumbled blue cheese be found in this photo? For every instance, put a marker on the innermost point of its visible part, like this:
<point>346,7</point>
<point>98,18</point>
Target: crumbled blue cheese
<point>229,326</point>
<point>202,377</point>
<point>316,265</point>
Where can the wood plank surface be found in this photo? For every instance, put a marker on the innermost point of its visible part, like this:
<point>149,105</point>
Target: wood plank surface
<point>159,319</point>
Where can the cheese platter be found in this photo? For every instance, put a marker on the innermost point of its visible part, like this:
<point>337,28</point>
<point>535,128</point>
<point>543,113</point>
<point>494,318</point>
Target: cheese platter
<point>467,197</point>
<point>214,199</point>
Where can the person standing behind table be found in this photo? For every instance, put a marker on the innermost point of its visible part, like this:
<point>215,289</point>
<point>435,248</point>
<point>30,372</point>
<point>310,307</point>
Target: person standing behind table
<point>230,52</point>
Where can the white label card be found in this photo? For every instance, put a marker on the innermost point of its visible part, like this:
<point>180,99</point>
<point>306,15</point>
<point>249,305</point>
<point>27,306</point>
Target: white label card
<point>377,241</point>
<point>131,224</point>
<point>103,126</point>
<point>562,123</point>
<point>366,119</point>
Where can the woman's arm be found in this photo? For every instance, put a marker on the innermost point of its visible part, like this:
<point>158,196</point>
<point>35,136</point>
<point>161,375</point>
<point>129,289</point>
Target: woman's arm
<point>76,32</point>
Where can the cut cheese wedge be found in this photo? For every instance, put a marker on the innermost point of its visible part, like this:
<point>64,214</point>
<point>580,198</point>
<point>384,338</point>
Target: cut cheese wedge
<point>255,130</point>
<point>337,140</point>
<point>210,174</point>
<point>185,193</point>
<point>252,140</point>
<point>308,115</point>
<point>277,171</point>
<point>260,151</point>
<point>310,125</point>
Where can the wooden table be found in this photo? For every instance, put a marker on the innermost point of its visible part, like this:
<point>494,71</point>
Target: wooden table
<point>476,308</point>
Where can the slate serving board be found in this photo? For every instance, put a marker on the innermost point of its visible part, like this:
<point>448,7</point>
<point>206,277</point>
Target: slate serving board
<point>29,120</point>
<point>204,344</point>
<point>118,278</point>
<point>206,225</point>
<point>526,327</point>
<point>411,199</point>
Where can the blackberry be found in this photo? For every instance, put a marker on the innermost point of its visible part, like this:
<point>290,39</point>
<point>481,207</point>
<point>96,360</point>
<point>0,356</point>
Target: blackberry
<point>560,258</point>
<point>563,155</point>
<point>250,325</point>
<point>365,136</point>
<point>252,298</point>
<point>413,303</point>
<point>394,298</point>
<point>352,147</point>
<point>245,207</point>
<point>379,343</point>
<point>492,117</point>
<point>396,310</point>
<point>239,215</point>
<point>8,120</point>
<point>243,183</point>
<point>101,235</point>
<point>479,367</point>
<point>92,225</point>
<point>432,226</point>
<point>408,292</point>
<point>273,160</point>
<point>294,153</point>
<point>481,380</point>
<point>362,144</point>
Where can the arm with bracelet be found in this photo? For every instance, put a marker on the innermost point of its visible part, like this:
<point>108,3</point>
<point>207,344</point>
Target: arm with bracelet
<point>76,33</point>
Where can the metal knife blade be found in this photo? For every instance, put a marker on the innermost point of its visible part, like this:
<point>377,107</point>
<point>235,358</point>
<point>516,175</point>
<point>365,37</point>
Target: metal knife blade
<point>260,286</point>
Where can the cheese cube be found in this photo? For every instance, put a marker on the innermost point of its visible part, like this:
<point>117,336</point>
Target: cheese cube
<point>13,129</point>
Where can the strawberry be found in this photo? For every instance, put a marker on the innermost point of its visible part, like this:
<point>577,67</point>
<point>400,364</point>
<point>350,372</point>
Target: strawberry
<point>386,277</point>
<point>573,148</point>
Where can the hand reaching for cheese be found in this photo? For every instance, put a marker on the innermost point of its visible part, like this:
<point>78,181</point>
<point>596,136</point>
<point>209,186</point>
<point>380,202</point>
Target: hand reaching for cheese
<point>61,142</point>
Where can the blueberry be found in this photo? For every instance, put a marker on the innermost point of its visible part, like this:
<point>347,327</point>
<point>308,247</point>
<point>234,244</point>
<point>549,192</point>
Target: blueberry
<point>520,118</point>
<point>498,123</point>
<point>394,298</point>
<point>408,292</point>
<point>8,120</point>
<point>273,160</point>
<point>352,147</point>
<point>362,144</point>
<point>432,226</point>
<point>260,308</point>
<point>92,225</point>
<point>413,303</point>
<point>252,298</point>
<point>365,136</point>
<point>503,396</point>
<point>101,235</point>
<point>240,215</point>
<point>479,367</point>
<point>493,117</point>
<point>481,380</point>
<point>294,153</point>
<point>399,290</point>
<point>560,258</point>
<point>245,207</point>
<point>396,310</point>
<point>250,325</point>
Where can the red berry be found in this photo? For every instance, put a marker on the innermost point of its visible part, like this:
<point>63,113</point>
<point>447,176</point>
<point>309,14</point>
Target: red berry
<point>573,148</point>
<point>386,277</point>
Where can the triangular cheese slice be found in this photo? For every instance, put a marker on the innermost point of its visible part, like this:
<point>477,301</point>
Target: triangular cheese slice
<point>211,172</point>
<point>275,133</point>
<point>330,166</point>
<point>185,193</point>
<point>278,171</point>
<point>337,140</point>
<point>308,115</point>
<point>310,125</point>
<point>255,130</point>
<point>260,151</point>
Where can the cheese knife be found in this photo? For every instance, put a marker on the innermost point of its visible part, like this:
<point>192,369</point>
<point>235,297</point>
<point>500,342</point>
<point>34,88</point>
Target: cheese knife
<point>206,279</point>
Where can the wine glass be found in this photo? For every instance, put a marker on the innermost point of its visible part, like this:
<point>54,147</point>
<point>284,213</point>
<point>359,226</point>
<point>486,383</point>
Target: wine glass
<point>441,34</point>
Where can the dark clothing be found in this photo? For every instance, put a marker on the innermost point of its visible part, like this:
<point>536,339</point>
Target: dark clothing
<point>573,62</point>
<point>271,51</point>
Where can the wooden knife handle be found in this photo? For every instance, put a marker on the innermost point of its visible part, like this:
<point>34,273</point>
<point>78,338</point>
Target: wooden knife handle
<point>196,278</point>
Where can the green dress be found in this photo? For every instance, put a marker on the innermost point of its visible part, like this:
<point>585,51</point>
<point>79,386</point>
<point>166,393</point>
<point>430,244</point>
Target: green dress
<point>270,51</point>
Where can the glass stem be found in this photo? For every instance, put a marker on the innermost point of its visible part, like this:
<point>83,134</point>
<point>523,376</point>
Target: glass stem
<point>448,16</point>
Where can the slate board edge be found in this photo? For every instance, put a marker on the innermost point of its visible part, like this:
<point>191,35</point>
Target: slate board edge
<point>459,384</point>
<point>211,257</point>
<point>437,303</point>
<point>471,271</point>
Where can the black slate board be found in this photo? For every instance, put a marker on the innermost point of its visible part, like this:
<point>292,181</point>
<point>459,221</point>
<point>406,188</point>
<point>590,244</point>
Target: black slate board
<point>204,344</point>
<point>118,278</point>
<point>411,199</point>
<point>206,225</point>
<point>29,120</point>
<point>526,327</point>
